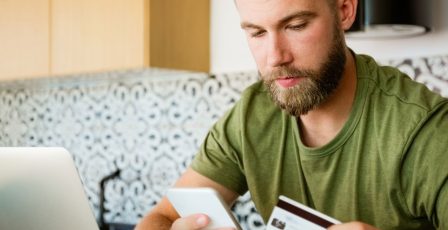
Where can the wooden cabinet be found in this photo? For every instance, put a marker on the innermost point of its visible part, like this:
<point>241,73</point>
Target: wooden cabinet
<point>24,36</point>
<point>180,34</point>
<point>97,35</point>
<point>59,37</point>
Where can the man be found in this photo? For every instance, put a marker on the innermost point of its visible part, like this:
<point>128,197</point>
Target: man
<point>328,128</point>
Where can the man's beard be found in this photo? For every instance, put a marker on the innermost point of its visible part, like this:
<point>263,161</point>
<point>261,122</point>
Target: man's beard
<point>314,87</point>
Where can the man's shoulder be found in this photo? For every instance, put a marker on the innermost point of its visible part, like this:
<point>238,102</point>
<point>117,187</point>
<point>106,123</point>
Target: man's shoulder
<point>391,83</point>
<point>256,96</point>
<point>254,106</point>
<point>382,75</point>
<point>256,88</point>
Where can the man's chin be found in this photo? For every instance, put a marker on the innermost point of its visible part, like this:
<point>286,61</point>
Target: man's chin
<point>293,103</point>
<point>293,110</point>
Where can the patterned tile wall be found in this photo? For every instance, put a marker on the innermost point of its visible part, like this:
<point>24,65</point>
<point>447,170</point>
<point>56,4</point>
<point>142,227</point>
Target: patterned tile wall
<point>148,123</point>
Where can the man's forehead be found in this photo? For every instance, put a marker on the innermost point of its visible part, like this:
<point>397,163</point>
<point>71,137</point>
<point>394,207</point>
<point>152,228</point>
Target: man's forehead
<point>261,10</point>
<point>269,5</point>
<point>273,1</point>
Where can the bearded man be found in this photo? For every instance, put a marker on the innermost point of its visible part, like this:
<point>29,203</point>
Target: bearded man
<point>325,127</point>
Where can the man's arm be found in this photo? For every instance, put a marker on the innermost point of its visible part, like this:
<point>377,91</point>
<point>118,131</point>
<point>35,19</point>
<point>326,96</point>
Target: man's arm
<point>163,215</point>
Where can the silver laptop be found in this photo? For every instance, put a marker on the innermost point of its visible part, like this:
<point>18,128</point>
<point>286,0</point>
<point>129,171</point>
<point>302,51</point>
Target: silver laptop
<point>40,189</point>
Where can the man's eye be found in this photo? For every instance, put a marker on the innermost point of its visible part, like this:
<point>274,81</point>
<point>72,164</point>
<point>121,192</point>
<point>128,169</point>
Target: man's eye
<point>297,27</point>
<point>257,33</point>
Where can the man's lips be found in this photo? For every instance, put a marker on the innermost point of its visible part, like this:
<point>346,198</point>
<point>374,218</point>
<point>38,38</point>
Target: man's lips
<point>287,82</point>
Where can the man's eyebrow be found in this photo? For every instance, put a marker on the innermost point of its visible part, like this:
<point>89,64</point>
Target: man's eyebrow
<point>297,15</point>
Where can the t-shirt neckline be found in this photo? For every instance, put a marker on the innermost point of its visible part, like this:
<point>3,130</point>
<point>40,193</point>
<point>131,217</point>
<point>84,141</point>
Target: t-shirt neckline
<point>349,127</point>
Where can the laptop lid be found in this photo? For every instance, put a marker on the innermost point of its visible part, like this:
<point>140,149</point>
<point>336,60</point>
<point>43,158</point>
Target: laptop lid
<point>40,189</point>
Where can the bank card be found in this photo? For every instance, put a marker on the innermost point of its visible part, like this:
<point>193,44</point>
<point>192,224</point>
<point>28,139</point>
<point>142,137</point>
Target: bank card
<point>291,215</point>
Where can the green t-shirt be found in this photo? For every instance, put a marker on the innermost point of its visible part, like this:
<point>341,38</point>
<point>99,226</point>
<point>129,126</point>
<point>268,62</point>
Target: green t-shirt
<point>387,167</point>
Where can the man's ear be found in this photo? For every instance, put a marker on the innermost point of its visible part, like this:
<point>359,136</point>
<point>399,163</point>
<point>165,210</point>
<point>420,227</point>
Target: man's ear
<point>347,12</point>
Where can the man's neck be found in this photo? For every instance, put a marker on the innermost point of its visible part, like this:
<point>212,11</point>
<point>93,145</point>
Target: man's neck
<point>319,126</point>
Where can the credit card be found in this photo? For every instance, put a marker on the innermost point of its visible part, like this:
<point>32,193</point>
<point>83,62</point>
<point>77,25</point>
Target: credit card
<point>291,215</point>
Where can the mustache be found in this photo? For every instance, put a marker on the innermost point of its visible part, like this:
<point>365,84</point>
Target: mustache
<point>285,71</point>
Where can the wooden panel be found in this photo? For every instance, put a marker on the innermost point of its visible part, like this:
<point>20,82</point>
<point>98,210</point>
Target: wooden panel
<point>97,35</point>
<point>179,34</point>
<point>24,34</point>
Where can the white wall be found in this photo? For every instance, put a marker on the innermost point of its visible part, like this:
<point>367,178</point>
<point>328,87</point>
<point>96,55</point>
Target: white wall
<point>229,51</point>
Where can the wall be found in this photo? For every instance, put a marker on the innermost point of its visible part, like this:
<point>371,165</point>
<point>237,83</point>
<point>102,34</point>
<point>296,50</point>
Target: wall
<point>229,52</point>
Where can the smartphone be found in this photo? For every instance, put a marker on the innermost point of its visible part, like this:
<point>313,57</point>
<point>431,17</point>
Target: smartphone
<point>188,201</point>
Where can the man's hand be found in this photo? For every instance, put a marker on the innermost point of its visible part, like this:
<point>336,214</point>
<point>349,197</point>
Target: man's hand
<point>352,226</point>
<point>164,216</point>
<point>193,222</point>
<point>196,221</point>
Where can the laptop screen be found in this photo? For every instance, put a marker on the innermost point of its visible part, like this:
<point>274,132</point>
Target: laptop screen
<point>40,189</point>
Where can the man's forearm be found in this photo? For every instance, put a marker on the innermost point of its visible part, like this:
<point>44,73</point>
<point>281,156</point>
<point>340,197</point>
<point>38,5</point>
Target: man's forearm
<point>154,222</point>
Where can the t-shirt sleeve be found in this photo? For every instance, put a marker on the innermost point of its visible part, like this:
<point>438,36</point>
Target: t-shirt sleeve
<point>425,170</point>
<point>219,155</point>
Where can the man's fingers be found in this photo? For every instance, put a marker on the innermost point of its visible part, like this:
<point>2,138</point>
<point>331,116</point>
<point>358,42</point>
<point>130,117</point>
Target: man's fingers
<point>195,221</point>
<point>352,226</point>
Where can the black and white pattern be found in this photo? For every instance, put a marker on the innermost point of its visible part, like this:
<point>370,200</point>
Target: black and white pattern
<point>433,72</point>
<point>148,123</point>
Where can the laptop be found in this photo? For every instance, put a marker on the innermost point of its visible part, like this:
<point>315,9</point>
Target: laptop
<point>40,189</point>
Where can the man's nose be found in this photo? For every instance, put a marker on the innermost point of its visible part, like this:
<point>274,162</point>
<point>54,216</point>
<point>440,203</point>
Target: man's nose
<point>279,53</point>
